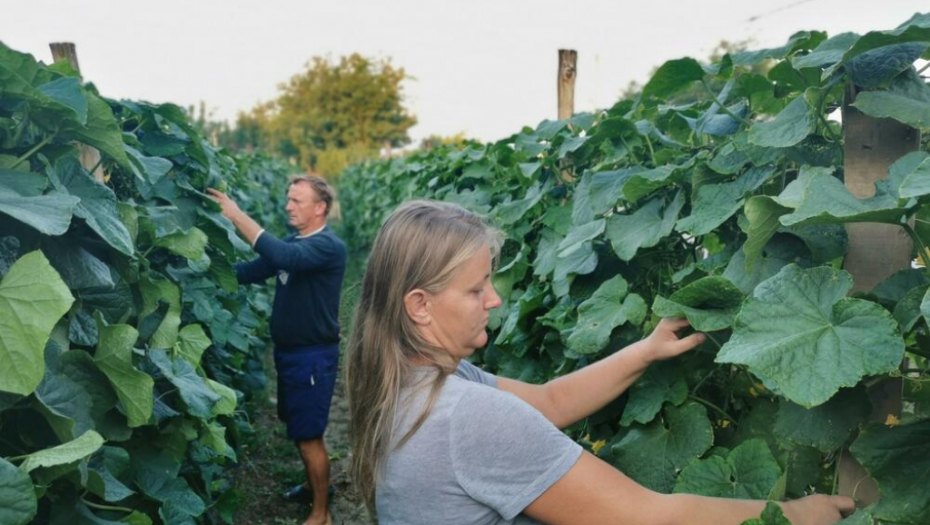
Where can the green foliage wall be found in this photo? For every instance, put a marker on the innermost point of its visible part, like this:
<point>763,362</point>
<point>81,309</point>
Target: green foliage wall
<point>126,346</point>
<point>728,210</point>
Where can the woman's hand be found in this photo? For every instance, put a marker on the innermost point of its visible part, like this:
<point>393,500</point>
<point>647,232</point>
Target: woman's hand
<point>818,509</point>
<point>663,343</point>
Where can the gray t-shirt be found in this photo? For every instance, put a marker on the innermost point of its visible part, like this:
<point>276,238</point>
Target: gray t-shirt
<point>480,458</point>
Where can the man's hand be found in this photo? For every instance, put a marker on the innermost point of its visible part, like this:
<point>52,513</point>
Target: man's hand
<point>663,343</point>
<point>228,206</point>
<point>246,226</point>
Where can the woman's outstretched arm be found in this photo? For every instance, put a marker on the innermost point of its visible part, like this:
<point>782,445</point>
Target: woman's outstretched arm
<point>570,398</point>
<point>594,493</point>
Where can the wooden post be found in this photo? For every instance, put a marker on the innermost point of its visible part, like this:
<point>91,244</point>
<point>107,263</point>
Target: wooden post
<point>90,157</point>
<point>876,251</point>
<point>568,60</point>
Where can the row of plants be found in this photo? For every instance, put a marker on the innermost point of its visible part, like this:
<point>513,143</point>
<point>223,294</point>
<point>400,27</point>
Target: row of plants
<point>126,345</point>
<point>716,194</point>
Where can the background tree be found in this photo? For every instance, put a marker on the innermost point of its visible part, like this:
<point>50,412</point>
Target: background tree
<point>331,115</point>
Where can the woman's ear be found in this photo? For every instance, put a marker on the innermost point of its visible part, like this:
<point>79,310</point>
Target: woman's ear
<point>416,302</point>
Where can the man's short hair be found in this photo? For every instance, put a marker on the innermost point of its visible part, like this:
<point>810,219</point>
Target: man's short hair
<point>322,188</point>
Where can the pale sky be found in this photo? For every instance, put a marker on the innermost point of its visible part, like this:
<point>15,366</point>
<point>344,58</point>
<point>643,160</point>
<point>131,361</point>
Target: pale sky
<point>482,67</point>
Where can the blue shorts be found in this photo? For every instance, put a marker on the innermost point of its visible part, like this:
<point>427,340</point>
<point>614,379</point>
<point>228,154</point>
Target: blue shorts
<point>306,380</point>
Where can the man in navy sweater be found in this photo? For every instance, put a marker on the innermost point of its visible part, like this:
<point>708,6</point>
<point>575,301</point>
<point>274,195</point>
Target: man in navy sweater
<point>308,267</point>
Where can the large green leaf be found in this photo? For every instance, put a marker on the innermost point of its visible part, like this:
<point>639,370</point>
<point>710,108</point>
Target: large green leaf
<point>763,214</point>
<point>898,458</point>
<point>20,70</point>
<point>102,132</point>
<point>197,395</point>
<point>653,455</point>
<point>547,253</point>
<point>662,382</point>
<point>916,183</point>
<point>644,228</point>
<point>192,341</point>
<point>21,198</point>
<point>82,329</point>
<point>154,168</point>
<point>228,400</point>
<point>98,203</point>
<point>531,300</point>
<point>75,395</point>
<point>749,471</point>
<point>65,404</point>
<point>791,126</point>
<point>608,187</point>
<point>771,515</point>
<point>672,77</point>
<point>115,304</point>
<point>73,510</point>
<point>157,477</point>
<point>709,304</point>
<point>800,334</point>
<point>513,211</point>
<point>780,251</point>
<point>78,267</point>
<point>579,235</point>
<point>191,244</point>
<point>715,203</point>
<point>828,53</point>
<point>917,29</point>
<point>925,306</point>
<point>876,67</point>
<point>65,453</point>
<point>153,292</point>
<point>643,182</point>
<point>17,496</point>
<point>896,287</point>
<point>67,92</point>
<point>908,310</point>
<point>826,427</point>
<point>133,387</point>
<point>580,262</point>
<point>907,101</point>
<point>825,242</point>
<point>821,198</point>
<point>606,309</point>
<point>860,517</point>
<point>102,471</point>
<point>799,40</point>
<point>33,298</point>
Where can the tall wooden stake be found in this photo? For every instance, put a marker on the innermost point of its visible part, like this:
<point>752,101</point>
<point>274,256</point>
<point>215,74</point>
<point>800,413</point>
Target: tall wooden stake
<point>568,60</point>
<point>90,157</point>
<point>876,251</point>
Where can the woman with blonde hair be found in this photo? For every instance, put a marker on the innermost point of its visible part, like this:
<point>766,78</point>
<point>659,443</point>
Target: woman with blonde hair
<point>437,440</point>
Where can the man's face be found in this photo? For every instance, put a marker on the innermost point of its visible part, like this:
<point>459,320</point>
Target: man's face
<point>304,206</point>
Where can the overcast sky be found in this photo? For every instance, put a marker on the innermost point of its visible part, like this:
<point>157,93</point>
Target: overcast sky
<point>482,67</point>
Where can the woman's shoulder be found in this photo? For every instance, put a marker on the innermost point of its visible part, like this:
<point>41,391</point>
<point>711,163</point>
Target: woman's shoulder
<point>474,399</point>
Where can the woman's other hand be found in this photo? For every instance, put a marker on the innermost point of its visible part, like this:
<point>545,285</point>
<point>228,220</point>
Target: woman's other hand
<point>664,343</point>
<point>818,509</point>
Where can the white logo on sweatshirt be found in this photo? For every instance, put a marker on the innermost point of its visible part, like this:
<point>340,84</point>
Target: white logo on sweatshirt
<point>282,275</point>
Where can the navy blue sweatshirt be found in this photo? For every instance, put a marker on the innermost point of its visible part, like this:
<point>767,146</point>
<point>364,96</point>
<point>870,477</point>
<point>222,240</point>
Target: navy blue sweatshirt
<point>309,274</point>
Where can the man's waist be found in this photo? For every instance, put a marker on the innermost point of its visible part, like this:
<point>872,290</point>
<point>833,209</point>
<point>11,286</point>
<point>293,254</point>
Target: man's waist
<point>317,347</point>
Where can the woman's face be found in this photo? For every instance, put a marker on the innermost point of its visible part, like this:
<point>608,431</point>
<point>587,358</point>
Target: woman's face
<point>458,316</point>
